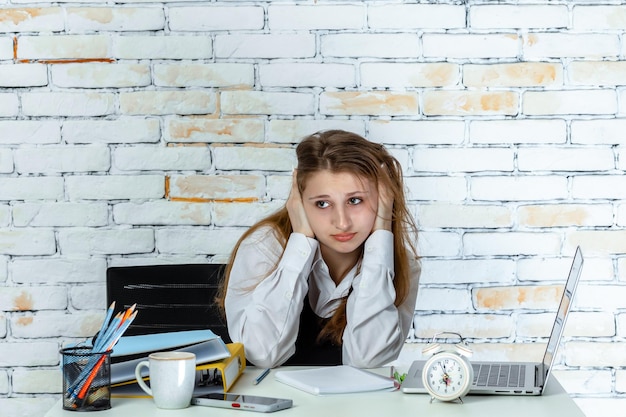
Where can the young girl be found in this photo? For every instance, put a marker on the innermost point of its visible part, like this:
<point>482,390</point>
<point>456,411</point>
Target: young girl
<point>332,277</point>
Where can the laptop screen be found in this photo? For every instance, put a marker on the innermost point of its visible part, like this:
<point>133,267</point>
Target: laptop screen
<point>561,314</point>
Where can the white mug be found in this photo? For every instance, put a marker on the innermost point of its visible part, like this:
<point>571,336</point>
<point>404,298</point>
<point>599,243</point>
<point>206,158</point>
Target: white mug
<point>172,378</point>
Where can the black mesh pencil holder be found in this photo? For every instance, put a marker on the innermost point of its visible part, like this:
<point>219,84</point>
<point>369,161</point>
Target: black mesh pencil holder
<point>86,379</point>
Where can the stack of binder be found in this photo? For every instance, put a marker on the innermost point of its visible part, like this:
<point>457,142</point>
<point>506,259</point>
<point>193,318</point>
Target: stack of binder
<point>218,365</point>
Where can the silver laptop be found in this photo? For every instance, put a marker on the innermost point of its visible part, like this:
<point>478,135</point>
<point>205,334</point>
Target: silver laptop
<point>513,378</point>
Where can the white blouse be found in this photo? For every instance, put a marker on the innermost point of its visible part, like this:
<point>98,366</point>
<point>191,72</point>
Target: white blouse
<point>264,313</point>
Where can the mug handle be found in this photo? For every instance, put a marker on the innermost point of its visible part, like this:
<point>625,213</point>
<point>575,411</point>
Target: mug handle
<point>140,380</point>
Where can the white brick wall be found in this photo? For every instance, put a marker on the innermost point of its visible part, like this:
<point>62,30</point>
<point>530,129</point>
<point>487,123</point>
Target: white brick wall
<point>142,132</point>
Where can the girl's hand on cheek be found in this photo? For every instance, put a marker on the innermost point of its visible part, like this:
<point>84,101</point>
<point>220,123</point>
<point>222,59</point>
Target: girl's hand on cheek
<point>385,209</point>
<point>295,208</point>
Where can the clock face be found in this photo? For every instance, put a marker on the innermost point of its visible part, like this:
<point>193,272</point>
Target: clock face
<point>447,376</point>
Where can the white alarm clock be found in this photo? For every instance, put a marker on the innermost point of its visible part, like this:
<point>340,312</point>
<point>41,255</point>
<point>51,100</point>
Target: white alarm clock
<point>448,374</point>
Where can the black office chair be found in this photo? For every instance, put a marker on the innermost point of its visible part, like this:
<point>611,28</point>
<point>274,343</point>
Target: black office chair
<point>168,297</point>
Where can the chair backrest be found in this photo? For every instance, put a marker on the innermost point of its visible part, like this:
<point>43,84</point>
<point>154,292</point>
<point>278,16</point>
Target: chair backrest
<point>168,297</point>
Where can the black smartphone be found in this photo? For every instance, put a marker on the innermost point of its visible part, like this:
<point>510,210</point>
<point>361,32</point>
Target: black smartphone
<point>242,402</point>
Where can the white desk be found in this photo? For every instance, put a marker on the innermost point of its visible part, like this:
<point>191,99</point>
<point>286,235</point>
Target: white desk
<point>378,404</point>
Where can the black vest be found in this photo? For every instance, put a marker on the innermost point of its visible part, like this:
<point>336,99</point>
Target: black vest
<point>308,350</point>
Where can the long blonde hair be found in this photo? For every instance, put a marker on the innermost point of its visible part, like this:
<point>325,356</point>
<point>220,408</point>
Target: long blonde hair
<point>341,151</point>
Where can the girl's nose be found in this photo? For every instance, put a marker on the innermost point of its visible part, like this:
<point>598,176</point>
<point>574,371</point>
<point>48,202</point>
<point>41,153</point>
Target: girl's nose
<point>341,219</point>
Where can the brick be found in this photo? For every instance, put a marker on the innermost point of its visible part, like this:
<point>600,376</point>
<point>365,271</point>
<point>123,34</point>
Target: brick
<point>5,218</point>
<point>162,213</point>
<point>32,353</point>
<point>512,352</point>
<point>463,159</point>
<point>86,297</point>
<point>584,381</point>
<point>596,354</point>
<point>267,158</point>
<point>518,131</point>
<point>96,75</point>
<point>31,381</point>
<point>278,187</point>
<point>590,324</point>
<point>566,45</point>
<point>197,241</point>
<point>597,132</point>
<point>30,131</point>
<point>410,132</point>
<point>63,47</point>
<point>520,17</point>
<point>52,159</point>
<point>315,17</point>
<point>292,131</point>
<point>463,215</point>
<point>565,215</point>
<point>56,324</point>
<point>86,19</point>
<point>369,103</point>
<point>84,241</point>
<point>598,186</point>
<point>6,161</point>
<point>536,297</point>
<point>221,187</point>
<point>429,299</point>
<point>33,298</point>
<point>212,130</point>
<point>621,215</point>
<point>149,158</point>
<point>436,188</point>
<point>403,75</point>
<point>125,129</point>
<point>31,188</point>
<point>243,214</point>
<point>58,270</point>
<point>61,214</point>
<point>598,17</point>
<point>459,103</point>
<point>31,19</point>
<point>599,241</point>
<point>465,271</point>
<point>6,47</point>
<point>447,46</point>
<point>115,187</point>
<point>167,102</point>
<point>9,105</point>
<point>416,16</point>
<point>570,159</point>
<point>439,243</point>
<point>266,102</point>
<point>27,242</point>
<point>379,45</point>
<point>548,269</point>
<point>511,243</point>
<point>68,104</point>
<point>162,47</point>
<point>215,18</point>
<point>494,188</point>
<point>470,326</point>
<point>4,384</point>
<point>23,75</point>
<point>307,75</point>
<point>522,74</point>
<point>265,46</point>
<point>203,75</point>
<point>595,73</point>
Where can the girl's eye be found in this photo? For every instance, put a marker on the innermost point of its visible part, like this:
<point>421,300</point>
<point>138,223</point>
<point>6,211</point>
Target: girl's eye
<point>322,204</point>
<point>354,200</point>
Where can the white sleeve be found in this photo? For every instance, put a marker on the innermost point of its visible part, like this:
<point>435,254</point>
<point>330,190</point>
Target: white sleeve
<point>264,313</point>
<point>376,329</point>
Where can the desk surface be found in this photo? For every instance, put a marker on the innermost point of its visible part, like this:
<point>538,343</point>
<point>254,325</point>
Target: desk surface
<point>554,402</point>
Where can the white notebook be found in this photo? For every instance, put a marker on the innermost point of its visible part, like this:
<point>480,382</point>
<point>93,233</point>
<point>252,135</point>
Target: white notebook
<point>340,379</point>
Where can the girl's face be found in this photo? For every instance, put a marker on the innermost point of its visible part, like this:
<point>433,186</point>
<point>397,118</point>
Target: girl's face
<point>341,210</point>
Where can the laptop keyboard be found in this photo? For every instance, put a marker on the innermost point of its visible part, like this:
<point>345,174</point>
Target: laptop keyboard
<point>499,376</point>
